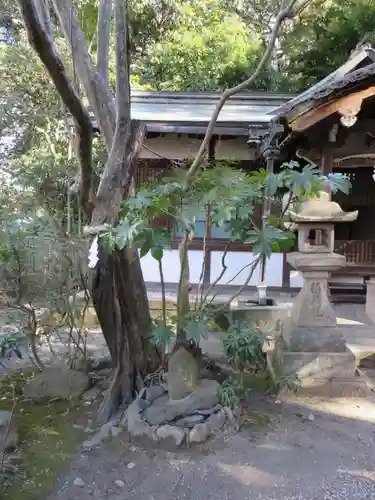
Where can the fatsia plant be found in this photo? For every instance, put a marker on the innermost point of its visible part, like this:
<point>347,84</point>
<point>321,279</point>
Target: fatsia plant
<point>232,196</point>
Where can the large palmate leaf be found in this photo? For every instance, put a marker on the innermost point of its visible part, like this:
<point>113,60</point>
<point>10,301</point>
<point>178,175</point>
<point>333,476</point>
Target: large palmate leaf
<point>338,182</point>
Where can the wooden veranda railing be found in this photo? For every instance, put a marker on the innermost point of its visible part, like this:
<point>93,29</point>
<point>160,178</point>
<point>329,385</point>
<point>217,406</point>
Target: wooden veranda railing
<point>360,252</point>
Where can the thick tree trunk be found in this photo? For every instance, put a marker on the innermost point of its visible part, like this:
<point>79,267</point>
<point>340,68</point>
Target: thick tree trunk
<point>120,301</point>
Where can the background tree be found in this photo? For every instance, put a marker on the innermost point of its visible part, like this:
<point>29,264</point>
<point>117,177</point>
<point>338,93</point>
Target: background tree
<point>326,34</point>
<point>210,48</point>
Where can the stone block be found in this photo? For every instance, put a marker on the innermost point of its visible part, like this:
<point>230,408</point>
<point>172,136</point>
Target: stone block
<point>313,339</point>
<point>315,369</point>
<point>273,320</point>
<point>183,372</point>
<point>370,299</point>
<point>312,306</point>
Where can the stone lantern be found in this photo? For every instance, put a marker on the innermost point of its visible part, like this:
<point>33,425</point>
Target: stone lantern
<point>316,349</point>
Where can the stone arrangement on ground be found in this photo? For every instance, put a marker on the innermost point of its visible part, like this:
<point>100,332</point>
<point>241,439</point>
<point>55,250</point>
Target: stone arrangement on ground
<point>191,419</point>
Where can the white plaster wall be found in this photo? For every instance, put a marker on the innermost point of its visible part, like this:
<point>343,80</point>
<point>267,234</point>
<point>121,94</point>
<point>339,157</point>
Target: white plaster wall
<point>296,280</point>
<point>171,267</point>
<point>174,147</point>
<point>237,260</point>
<point>234,148</point>
<point>234,260</point>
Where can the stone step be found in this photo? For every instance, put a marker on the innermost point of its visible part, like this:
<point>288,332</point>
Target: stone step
<point>354,387</point>
<point>368,376</point>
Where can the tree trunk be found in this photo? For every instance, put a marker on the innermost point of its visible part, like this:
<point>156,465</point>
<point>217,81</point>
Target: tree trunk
<point>120,301</point>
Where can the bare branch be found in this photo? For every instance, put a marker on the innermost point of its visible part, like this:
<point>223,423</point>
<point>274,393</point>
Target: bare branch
<point>97,93</point>
<point>103,32</point>
<point>41,7</point>
<point>183,303</point>
<point>44,47</point>
<point>163,296</point>
<point>122,66</point>
<point>120,164</point>
<point>116,181</point>
<point>285,13</point>
<point>224,268</point>
<point>254,265</point>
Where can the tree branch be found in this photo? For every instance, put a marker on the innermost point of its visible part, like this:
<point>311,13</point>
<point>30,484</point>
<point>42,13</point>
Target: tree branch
<point>44,47</point>
<point>103,33</point>
<point>97,93</point>
<point>292,9</point>
<point>122,66</point>
<point>41,7</point>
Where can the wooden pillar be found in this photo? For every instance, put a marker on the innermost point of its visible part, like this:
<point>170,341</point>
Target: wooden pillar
<point>326,161</point>
<point>207,249</point>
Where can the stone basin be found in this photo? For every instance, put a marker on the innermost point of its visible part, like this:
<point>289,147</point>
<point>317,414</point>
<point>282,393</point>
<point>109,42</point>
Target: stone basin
<point>274,320</point>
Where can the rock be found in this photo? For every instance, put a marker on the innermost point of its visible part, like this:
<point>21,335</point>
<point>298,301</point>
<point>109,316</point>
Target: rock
<point>81,363</point>
<point>107,430</point>
<point>183,373</point>
<point>57,382</point>
<point>120,484</point>
<point>216,421</point>
<point>202,432</point>
<point>190,421</point>
<point>115,431</point>
<point>204,397</point>
<point>136,424</point>
<point>153,392</point>
<point>199,433</point>
<point>131,465</point>
<point>102,364</point>
<point>79,482</point>
<point>172,433</point>
<point>92,394</point>
<point>161,401</point>
<point>8,432</point>
<point>103,383</point>
<point>143,404</point>
<point>209,411</point>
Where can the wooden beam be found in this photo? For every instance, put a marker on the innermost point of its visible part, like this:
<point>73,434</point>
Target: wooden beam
<point>207,252</point>
<point>326,161</point>
<point>347,106</point>
<point>356,161</point>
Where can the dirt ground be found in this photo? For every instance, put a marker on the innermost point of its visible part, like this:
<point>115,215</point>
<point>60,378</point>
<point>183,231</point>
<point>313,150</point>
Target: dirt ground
<point>292,449</point>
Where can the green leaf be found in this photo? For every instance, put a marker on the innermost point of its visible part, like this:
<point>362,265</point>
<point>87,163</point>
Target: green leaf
<point>122,234</point>
<point>195,329</point>
<point>300,181</point>
<point>338,182</point>
<point>275,247</point>
<point>145,248</point>
<point>157,253</point>
<point>273,183</point>
<point>161,335</point>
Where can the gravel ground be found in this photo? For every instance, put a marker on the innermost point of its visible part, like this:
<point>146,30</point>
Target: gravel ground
<point>303,453</point>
